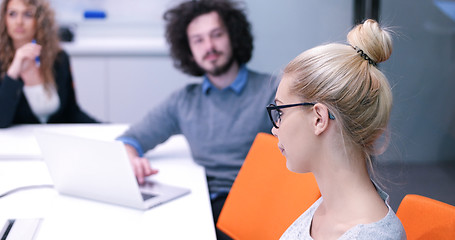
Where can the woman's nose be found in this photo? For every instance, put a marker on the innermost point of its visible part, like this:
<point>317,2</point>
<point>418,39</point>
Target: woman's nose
<point>19,19</point>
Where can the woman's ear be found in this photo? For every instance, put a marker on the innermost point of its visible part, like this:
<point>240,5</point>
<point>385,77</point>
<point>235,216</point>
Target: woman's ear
<point>321,118</point>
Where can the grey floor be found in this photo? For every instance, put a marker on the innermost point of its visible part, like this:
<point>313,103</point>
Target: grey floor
<point>436,180</point>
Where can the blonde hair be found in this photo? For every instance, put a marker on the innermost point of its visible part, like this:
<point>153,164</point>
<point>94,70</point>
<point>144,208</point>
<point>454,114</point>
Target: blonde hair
<point>356,92</point>
<point>46,36</point>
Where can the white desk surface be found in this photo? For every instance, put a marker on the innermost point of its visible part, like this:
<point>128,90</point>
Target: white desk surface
<point>18,142</point>
<point>64,217</point>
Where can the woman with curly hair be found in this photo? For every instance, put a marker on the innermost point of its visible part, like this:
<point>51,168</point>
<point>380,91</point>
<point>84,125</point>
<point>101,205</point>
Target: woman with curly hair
<point>36,84</point>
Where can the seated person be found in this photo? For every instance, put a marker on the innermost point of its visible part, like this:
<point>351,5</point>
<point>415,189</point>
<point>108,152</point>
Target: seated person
<point>219,117</point>
<point>331,106</point>
<point>36,84</point>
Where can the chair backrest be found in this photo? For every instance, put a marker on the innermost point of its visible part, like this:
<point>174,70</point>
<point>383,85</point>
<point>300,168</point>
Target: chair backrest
<point>266,198</point>
<point>426,218</point>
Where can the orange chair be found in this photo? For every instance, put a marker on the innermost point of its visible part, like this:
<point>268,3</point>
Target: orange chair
<point>266,198</point>
<point>426,218</point>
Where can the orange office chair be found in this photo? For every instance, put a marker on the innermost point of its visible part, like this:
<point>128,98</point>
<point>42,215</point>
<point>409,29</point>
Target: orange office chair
<point>426,218</point>
<point>266,198</point>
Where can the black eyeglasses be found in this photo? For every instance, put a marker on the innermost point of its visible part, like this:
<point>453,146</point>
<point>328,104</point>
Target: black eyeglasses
<point>275,112</point>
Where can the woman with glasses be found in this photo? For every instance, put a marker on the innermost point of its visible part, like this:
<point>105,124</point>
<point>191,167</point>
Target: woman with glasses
<point>36,84</point>
<point>331,106</point>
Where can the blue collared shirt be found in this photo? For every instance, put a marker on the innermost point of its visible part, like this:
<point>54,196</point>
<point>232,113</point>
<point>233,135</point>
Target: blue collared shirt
<point>134,143</point>
<point>237,86</point>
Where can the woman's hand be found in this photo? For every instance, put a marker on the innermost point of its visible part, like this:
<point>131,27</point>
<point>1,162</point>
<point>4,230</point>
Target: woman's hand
<point>24,65</point>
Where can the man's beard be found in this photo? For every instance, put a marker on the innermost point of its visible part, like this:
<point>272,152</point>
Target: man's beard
<point>220,70</point>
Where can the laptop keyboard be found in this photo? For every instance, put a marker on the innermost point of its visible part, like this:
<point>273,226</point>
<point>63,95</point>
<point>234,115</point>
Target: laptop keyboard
<point>146,196</point>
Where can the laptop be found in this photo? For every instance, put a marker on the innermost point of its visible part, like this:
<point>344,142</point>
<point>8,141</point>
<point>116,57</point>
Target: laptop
<point>99,170</point>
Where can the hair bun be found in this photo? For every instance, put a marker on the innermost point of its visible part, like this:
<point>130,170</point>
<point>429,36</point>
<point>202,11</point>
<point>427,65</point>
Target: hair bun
<point>375,41</point>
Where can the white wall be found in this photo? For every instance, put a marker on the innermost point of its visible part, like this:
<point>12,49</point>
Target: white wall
<point>285,28</point>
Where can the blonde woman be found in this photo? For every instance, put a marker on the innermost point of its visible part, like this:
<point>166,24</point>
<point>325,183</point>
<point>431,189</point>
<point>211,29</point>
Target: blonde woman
<point>331,106</point>
<point>36,84</point>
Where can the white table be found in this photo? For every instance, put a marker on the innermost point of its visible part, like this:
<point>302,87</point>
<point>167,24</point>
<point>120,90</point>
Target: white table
<point>64,217</point>
<point>18,142</point>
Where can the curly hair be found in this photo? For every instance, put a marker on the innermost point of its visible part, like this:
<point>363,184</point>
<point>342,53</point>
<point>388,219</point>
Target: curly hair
<point>46,35</point>
<point>178,18</point>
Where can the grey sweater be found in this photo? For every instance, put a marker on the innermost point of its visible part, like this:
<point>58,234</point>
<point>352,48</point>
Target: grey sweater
<point>220,125</point>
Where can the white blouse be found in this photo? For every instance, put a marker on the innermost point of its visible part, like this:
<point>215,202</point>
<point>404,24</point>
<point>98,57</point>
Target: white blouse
<point>42,102</point>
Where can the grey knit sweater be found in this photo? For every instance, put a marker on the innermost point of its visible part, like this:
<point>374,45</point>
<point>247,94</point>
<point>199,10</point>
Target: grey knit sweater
<point>220,125</point>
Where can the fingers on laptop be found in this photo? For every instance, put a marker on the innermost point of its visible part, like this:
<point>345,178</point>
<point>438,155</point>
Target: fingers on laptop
<point>148,170</point>
<point>143,169</point>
